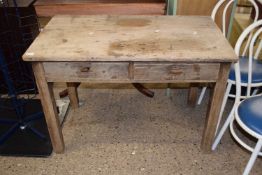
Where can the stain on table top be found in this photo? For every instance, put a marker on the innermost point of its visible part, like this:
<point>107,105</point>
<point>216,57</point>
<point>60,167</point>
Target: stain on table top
<point>131,38</point>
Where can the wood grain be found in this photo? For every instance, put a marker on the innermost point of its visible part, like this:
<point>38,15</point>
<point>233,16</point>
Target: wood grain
<point>192,96</point>
<point>98,7</point>
<point>49,107</point>
<point>73,95</point>
<point>126,72</point>
<point>161,49</point>
<point>131,38</point>
<point>175,72</point>
<point>203,8</point>
<point>145,91</point>
<point>214,108</point>
<point>63,2</point>
<point>86,72</point>
<point>131,70</point>
<point>195,7</point>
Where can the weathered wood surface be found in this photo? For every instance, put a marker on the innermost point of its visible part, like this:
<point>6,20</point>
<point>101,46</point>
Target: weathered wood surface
<point>145,91</point>
<point>86,72</point>
<point>192,96</point>
<point>170,72</point>
<point>73,95</point>
<point>63,2</point>
<point>98,7</point>
<point>124,72</point>
<point>131,38</point>
<point>195,7</point>
<point>131,70</point>
<point>214,108</point>
<point>49,108</point>
<point>132,49</point>
<point>203,8</point>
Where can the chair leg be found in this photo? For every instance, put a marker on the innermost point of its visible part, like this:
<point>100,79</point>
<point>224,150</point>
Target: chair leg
<point>253,157</point>
<point>223,129</point>
<point>229,85</point>
<point>201,96</point>
<point>255,91</point>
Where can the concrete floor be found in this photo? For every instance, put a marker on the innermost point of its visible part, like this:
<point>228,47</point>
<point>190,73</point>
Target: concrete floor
<point>123,132</point>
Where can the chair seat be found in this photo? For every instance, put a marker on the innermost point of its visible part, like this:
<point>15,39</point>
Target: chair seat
<point>256,71</point>
<point>250,113</point>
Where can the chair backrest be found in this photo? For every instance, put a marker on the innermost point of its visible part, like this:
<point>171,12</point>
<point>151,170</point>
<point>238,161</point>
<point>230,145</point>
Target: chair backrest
<point>254,30</point>
<point>226,4</point>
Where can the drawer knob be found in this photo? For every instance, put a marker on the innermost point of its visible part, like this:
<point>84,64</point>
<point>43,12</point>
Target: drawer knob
<point>85,69</point>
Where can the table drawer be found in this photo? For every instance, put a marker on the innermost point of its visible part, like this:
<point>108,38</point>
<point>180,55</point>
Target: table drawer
<point>86,72</point>
<point>117,72</point>
<point>176,72</point>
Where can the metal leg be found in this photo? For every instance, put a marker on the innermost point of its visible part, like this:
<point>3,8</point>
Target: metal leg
<point>168,90</point>
<point>229,85</point>
<point>35,116</point>
<point>253,157</point>
<point>8,121</point>
<point>255,91</point>
<point>37,133</point>
<point>223,129</point>
<point>9,133</point>
<point>201,96</point>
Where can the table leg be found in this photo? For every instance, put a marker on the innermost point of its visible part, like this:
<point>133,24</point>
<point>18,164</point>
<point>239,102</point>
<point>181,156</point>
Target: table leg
<point>49,108</point>
<point>73,95</point>
<point>192,96</point>
<point>214,107</point>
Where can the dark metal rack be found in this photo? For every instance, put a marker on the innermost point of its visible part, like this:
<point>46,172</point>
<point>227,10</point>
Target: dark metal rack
<point>18,28</point>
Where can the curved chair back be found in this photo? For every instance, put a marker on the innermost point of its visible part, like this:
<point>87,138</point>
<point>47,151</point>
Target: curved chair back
<point>227,4</point>
<point>256,30</point>
<point>251,115</point>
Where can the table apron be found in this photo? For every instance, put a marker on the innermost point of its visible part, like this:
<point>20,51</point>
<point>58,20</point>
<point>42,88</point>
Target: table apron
<point>130,72</point>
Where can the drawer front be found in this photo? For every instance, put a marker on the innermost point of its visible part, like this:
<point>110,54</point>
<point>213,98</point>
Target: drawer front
<point>86,72</point>
<point>123,72</point>
<point>176,72</point>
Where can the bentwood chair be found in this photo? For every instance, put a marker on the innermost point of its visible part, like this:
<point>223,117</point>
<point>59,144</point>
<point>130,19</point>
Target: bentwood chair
<point>247,113</point>
<point>248,80</point>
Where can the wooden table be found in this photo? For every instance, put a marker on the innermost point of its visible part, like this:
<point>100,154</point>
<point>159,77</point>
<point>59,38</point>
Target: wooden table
<point>129,49</point>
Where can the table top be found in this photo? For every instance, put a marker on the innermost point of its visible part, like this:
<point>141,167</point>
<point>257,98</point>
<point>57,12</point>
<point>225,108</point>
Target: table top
<point>131,38</point>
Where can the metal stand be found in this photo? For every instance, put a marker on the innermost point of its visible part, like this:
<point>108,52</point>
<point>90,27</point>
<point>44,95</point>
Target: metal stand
<point>22,122</point>
<point>18,88</point>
